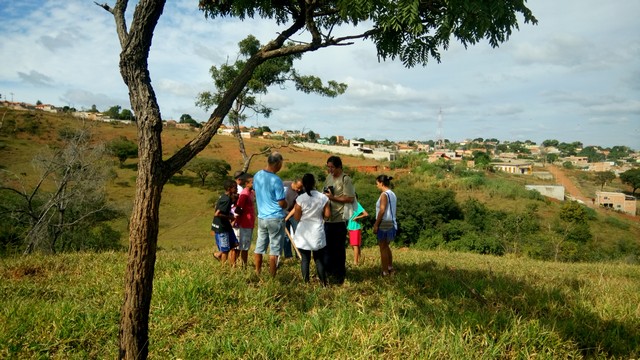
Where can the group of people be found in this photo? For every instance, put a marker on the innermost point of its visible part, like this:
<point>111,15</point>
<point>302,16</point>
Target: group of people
<point>317,222</point>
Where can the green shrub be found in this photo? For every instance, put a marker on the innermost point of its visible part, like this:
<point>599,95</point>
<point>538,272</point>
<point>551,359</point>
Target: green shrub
<point>98,238</point>
<point>422,209</point>
<point>297,170</point>
<point>477,243</point>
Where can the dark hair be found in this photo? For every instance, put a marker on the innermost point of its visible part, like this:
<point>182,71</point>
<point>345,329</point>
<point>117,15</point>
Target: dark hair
<point>384,179</point>
<point>336,161</point>
<point>228,184</point>
<point>309,183</point>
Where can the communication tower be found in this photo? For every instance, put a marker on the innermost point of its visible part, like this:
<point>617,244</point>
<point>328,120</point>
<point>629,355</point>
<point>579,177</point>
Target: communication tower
<point>439,137</point>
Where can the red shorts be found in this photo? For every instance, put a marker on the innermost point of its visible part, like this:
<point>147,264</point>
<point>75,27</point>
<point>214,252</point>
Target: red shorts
<point>355,237</point>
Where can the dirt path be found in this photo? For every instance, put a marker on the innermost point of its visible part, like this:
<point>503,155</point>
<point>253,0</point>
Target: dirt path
<point>569,187</point>
<point>572,190</point>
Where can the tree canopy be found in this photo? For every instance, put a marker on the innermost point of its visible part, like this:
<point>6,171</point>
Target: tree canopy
<point>187,119</point>
<point>412,31</point>
<point>592,153</point>
<point>203,167</point>
<point>604,177</point>
<point>116,112</point>
<point>632,178</point>
<point>123,149</point>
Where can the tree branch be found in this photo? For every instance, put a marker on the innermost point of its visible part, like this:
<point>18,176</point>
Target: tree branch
<point>118,14</point>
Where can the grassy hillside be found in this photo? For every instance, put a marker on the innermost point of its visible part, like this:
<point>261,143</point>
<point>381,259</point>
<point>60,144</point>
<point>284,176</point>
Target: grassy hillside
<point>185,212</point>
<point>439,305</point>
<point>186,207</point>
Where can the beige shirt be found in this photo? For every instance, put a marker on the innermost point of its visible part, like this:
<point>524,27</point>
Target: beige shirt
<point>342,186</point>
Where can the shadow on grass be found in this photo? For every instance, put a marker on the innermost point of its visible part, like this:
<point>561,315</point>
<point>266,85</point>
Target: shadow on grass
<point>182,180</point>
<point>132,167</point>
<point>496,305</point>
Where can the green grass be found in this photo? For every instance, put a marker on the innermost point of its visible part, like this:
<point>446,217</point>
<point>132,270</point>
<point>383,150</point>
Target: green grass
<point>438,305</point>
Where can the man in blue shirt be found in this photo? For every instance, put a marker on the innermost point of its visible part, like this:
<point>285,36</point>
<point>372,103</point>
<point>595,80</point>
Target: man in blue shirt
<point>271,201</point>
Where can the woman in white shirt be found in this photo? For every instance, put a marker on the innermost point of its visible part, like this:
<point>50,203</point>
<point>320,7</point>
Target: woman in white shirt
<point>385,226</point>
<point>311,208</point>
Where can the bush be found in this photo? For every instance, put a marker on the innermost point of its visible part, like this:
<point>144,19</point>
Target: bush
<point>455,230</point>
<point>422,209</point>
<point>297,170</point>
<point>98,238</point>
<point>477,243</point>
<point>579,233</point>
<point>476,214</point>
<point>31,124</point>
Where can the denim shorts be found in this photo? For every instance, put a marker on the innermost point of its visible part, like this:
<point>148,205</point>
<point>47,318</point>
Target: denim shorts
<point>271,233</point>
<point>226,241</point>
<point>386,235</point>
<point>245,238</point>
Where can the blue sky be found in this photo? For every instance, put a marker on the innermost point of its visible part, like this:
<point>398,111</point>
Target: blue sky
<point>573,77</point>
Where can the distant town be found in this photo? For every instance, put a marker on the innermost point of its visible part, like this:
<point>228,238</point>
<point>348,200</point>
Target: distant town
<point>515,157</point>
<point>517,154</point>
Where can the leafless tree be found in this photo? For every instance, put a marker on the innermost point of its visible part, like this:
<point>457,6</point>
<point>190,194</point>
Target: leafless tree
<point>70,188</point>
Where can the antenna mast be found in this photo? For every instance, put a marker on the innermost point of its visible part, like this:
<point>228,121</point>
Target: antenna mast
<point>439,137</point>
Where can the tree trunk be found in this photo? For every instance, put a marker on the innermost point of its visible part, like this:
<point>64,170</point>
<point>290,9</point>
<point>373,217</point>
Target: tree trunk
<point>143,239</point>
<point>246,160</point>
<point>143,231</point>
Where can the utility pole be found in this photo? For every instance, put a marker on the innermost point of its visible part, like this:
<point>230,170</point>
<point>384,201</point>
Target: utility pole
<point>11,97</point>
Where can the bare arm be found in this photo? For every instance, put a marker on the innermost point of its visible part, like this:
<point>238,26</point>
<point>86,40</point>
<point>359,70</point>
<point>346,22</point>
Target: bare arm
<point>290,214</point>
<point>327,210</point>
<point>297,212</point>
<point>283,203</point>
<point>383,208</point>
<point>363,214</point>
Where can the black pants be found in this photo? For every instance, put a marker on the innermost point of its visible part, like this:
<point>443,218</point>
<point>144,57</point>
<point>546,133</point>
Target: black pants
<point>319,257</point>
<point>336,233</point>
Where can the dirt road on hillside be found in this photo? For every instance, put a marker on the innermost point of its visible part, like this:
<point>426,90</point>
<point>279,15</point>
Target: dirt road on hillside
<point>569,187</point>
<point>572,190</point>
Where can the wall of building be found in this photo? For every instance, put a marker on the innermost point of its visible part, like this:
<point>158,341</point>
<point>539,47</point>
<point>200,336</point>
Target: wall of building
<point>347,150</point>
<point>552,191</point>
<point>616,201</point>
